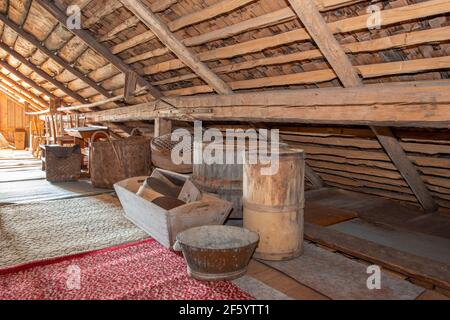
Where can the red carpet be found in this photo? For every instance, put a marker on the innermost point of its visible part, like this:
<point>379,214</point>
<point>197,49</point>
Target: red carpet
<point>142,270</point>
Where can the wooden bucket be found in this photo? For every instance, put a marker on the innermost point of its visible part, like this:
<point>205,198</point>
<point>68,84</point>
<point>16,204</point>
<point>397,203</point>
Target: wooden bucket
<point>273,205</point>
<point>115,160</point>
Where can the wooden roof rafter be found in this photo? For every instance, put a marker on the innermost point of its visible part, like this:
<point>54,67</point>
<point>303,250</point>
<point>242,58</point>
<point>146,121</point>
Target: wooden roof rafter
<point>54,56</point>
<point>89,39</point>
<point>171,42</point>
<point>25,79</point>
<point>41,73</point>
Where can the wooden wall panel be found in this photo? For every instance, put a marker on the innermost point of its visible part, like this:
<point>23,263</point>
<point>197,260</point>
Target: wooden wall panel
<point>12,117</point>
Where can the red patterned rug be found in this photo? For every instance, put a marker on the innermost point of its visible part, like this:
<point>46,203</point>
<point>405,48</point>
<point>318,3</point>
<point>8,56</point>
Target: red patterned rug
<point>141,270</point>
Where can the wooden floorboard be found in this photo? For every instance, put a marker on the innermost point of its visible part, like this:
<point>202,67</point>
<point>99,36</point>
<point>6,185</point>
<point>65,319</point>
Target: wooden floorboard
<point>406,263</point>
<point>282,282</point>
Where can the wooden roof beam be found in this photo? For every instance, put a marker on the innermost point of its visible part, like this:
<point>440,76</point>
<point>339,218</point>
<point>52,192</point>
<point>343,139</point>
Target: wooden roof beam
<point>415,105</point>
<point>335,55</point>
<point>14,84</point>
<point>54,56</point>
<point>412,115</point>
<point>171,42</point>
<point>19,95</point>
<point>59,14</point>
<point>320,33</point>
<point>41,73</point>
<point>25,79</point>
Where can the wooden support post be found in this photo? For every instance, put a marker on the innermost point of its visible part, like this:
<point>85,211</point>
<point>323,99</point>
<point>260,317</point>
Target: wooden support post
<point>130,85</point>
<point>405,167</point>
<point>54,105</point>
<point>162,126</point>
<point>313,177</point>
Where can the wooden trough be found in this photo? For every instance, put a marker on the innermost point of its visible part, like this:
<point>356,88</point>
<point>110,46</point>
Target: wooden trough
<point>162,224</point>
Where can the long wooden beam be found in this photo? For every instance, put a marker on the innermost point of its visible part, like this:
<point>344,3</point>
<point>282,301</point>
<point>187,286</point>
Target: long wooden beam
<point>323,37</point>
<point>170,41</point>
<point>386,115</point>
<point>41,73</point>
<point>54,56</point>
<point>405,167</point>
<point>416,106</point>
<point>90,40</point>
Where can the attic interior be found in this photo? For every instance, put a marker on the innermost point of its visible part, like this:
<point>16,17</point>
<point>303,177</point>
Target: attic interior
<point>354,95</point>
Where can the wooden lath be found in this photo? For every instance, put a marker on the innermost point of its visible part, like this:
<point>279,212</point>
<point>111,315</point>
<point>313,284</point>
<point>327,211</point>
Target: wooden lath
<point>210,12</point>
<point>171,42</point>
<point>89,39</point>
<point>388,17</point>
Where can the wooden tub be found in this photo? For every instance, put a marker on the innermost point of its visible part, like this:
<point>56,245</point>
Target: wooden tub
<point>164,225</point>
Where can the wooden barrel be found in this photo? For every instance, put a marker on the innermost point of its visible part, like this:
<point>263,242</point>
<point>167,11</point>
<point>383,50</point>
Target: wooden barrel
<point>273,205</point>
<point>162,151</point>
<point>224,180</point>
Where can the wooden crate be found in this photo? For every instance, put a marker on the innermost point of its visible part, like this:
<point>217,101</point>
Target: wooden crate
<point>62,163</point>
<point>20,139</point>
<point>164,225</point>
<point>115,160</point>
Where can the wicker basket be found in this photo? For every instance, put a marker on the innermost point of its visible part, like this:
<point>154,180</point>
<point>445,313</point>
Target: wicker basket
<point>63,163</point>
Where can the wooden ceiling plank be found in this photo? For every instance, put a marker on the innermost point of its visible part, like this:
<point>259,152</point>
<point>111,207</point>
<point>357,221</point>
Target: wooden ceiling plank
<point>171,42</point>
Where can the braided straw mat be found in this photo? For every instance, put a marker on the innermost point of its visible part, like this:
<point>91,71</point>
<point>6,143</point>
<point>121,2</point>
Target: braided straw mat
<point>49,229</point>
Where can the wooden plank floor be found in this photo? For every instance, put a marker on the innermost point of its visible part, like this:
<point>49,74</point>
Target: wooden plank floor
<point>298,291</point>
